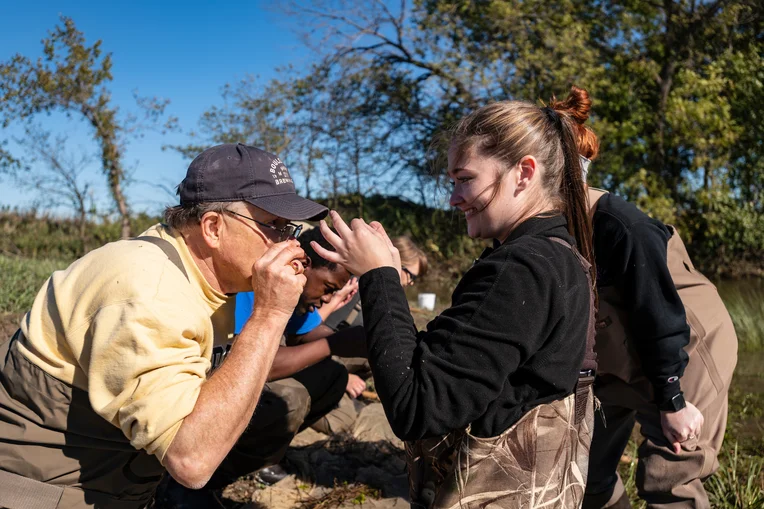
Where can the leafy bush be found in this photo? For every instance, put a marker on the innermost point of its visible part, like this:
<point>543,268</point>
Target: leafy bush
<point>34,235</point>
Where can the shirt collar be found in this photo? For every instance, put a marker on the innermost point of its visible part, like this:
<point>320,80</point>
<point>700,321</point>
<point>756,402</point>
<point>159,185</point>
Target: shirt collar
<point>535,225</point>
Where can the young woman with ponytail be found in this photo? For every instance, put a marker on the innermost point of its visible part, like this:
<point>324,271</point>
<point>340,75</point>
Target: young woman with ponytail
<point>666,350</point>
<point>494,398</point>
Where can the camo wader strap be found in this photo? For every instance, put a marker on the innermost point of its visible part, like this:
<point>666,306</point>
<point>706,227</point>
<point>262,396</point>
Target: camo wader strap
<point>18,492</point>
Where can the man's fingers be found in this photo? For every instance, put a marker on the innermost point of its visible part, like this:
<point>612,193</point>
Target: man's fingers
<point>330,256</point>
<point>297,266</point>
<point>279,249</point>
<point>288,254</point>
<point>677,447</point>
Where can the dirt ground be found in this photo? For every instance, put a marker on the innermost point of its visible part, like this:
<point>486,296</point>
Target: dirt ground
<point>9,322</point>
<point>364,468</point>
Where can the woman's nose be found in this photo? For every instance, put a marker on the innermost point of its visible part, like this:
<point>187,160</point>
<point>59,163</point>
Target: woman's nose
<point>455,199</point>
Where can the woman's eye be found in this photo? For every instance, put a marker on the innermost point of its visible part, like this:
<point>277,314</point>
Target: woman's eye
<point>464,179</point>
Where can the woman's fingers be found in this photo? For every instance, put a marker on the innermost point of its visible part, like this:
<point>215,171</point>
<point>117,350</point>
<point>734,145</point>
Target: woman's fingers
<point>380,230</point>
<point>331,237</point>
<point>339,225</point>
<point>331,256</point>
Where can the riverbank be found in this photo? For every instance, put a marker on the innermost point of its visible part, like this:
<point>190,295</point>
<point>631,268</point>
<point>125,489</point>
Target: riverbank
<point>359,460</point>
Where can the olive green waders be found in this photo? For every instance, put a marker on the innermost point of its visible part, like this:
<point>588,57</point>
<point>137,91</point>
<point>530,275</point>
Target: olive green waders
<point>540,461</point>
<point>664,479</point>
<point>56,452</point>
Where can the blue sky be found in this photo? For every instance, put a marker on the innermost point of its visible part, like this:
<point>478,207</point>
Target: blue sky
<point>183,51</point>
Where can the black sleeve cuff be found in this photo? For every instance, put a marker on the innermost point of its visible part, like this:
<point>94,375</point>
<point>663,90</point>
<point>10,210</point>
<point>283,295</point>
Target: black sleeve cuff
<point>375,276</point>
<point>664,393</point>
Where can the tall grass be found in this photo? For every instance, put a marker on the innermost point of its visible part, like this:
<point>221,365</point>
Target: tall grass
<point>745,302</point>
<point>739,483</point>
<point>20,280</point>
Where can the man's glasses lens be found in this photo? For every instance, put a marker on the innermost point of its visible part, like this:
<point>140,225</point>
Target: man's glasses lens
<point>292,231</point>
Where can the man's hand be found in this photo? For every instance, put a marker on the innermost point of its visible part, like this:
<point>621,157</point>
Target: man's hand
<point>355,386</point>
<point>681,426</point>
<point>278,279</point>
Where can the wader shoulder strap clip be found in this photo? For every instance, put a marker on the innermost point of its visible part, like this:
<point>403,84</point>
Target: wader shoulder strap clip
<point>19,492</point>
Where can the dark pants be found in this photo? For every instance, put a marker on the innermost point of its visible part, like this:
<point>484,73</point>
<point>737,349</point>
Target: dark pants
<point>285,408</point>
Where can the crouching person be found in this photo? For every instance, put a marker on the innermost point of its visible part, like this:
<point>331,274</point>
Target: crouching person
<point>106,384</point>
<point>304,385</point>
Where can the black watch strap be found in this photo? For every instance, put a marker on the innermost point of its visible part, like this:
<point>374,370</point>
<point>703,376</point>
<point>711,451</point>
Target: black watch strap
<point>674,404</point>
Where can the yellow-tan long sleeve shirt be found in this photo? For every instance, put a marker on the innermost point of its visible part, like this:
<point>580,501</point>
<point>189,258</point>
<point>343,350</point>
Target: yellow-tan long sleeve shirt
<point>126,325</point>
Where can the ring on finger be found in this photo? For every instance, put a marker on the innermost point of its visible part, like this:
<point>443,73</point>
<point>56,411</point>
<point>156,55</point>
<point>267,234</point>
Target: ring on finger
<point>297,266</point>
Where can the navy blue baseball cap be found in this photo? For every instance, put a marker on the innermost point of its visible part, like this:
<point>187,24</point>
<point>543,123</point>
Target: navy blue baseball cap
<point>237,172</point>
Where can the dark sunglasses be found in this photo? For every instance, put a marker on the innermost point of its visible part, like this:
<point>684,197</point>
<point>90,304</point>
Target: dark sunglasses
<point>289,231</point>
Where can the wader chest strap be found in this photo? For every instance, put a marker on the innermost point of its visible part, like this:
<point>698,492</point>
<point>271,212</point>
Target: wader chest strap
<point>168,249</point>
<point>19,492</point>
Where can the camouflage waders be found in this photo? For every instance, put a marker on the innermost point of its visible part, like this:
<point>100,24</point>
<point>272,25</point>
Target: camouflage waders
<point>540,461</point>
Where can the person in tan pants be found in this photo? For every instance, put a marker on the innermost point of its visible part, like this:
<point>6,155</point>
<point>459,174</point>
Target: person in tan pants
<point>666,350</point>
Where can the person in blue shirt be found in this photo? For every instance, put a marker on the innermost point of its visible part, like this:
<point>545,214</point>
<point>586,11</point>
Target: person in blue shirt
<point>304,383</point>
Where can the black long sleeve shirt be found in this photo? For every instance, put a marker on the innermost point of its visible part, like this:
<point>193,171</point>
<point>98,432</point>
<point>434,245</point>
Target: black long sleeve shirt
<point>630,250</point>
<point>513,338</point>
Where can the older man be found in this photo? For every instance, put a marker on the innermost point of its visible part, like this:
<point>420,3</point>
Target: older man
<point>106,383</point>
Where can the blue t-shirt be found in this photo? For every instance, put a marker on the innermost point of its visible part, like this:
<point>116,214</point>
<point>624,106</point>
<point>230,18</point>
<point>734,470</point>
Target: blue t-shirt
<point>303,323</point>
<point>298,324</point>
<point>245,302</point>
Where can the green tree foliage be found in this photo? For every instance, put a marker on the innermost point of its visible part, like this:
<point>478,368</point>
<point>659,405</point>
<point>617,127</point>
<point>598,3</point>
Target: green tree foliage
<point>72,77</point>
<point>676,86</point>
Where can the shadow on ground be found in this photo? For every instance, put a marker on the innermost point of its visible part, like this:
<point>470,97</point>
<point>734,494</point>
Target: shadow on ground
<point>365,468</point>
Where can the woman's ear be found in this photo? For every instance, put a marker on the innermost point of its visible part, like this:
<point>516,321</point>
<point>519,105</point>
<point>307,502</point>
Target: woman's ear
<point>527,171</point>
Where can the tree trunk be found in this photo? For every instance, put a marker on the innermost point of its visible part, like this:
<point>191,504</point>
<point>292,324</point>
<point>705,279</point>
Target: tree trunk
<point>114,173</point>
<point>103,121</point>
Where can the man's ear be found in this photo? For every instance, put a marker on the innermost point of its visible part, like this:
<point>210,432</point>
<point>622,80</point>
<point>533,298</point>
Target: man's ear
<point>211,226</point>
<point>527,171</point>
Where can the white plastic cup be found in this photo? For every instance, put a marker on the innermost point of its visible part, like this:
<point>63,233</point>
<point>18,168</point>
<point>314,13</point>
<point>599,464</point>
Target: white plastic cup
<point>426,301</point>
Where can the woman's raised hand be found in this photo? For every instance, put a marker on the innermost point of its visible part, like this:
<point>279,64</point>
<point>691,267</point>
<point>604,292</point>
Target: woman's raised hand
<point>359,247</point>
<point>380,231</point>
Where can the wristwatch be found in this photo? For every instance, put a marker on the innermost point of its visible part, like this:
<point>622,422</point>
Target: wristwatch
<point>674,404</point>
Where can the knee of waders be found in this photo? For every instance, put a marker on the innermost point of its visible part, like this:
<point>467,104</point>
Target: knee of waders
<point>297,407</point>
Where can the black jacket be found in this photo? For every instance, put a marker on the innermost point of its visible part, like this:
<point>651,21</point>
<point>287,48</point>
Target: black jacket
<point>513,338</point>
<point>630,250</point>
